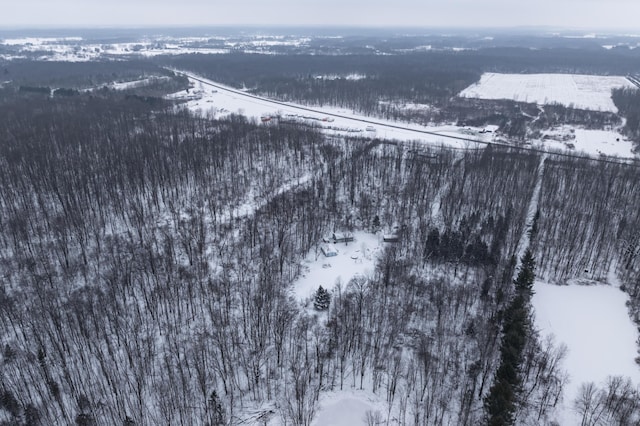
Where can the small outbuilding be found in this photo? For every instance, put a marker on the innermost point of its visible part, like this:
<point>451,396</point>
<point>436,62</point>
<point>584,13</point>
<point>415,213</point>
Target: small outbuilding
<point>328,250</point>
<point>391,238</point>
<point>342,237</point>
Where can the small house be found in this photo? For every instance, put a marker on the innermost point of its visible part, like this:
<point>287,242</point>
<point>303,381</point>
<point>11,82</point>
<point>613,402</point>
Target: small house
<point>391,238</point>
<point>328,250</point>
<point>342,237</point>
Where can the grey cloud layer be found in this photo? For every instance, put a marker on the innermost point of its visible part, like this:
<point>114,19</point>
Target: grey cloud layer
<point>502,13</point>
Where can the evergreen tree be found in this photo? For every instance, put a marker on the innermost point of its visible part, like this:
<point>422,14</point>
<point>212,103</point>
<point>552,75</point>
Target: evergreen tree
<point>526,275</point>
<point>218,410</point>
<point>376,222</point>
<point>500,403</point>
<point>432,245</point>
<point>31,415</point>
<point>322,299</point>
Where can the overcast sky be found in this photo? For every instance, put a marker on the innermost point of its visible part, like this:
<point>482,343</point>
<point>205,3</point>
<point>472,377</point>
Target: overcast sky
<point>584,14</point>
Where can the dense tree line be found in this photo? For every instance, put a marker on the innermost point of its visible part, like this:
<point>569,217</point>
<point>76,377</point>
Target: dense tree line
<point>413,87</point>
<point>584,219</point>
<point>628,102</point>
<point>19,78</point>
<point>321,80</point>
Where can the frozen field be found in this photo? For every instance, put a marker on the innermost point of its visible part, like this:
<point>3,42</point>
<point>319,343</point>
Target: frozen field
<point>594,324</point>
<point>590,92</point>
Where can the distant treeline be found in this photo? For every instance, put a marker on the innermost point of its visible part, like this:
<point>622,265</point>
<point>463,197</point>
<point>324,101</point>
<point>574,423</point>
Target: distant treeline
<point>628,102</point>
<point>377,84</point>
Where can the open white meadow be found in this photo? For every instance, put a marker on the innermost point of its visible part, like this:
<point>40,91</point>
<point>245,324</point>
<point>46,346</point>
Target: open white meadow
<point>593,322</point>
<point>591,142</point>
<point>590,92</point>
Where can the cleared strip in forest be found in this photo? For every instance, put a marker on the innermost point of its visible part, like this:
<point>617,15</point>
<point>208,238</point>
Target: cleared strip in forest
<point>525,238</point>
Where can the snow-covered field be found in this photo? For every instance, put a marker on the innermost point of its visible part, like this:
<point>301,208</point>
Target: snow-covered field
<point>593,322</point>
<point>592,142</point>
<point>580,91</point>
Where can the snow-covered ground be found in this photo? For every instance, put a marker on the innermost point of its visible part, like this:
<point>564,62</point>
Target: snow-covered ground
<point>126,85</point>
<point>348,408</point>
<point>590,92</point>
<point>354,258</point>
<point>76,49</point>
<point>208,97</point>
<point>592,142</point>
<point>352,77</point>
<point>593,322</point>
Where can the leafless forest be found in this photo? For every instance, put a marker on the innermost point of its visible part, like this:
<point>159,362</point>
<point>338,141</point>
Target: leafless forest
<point>136,290</point>
<point>148,254</point>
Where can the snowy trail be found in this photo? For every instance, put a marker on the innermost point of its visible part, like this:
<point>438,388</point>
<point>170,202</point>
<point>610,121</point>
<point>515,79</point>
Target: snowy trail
<point>255,203</point>
<point>436,213</point>
<point>525,239</point>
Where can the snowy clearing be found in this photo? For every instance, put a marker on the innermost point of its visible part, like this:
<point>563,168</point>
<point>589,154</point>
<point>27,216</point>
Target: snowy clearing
<point>126,85</point>
<point>348,408</point>
<point>351,77</point>
<point>592,142</point>
<point>354,258</point>
<point>593,322</point>
<point>590,92</point>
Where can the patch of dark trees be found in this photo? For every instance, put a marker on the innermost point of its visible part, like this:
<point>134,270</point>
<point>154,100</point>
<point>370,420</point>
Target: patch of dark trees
<point>460,246</point>
<point>628,103</point>
<point>66,78</point>
<point>505,392</point>
<point>77,74</point>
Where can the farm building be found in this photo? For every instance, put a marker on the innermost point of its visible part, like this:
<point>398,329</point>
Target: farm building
<point>342,237</point>
<point>328,250</point>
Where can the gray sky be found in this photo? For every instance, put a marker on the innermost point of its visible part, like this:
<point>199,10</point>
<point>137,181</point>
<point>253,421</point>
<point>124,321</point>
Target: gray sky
<point>596,14</point>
